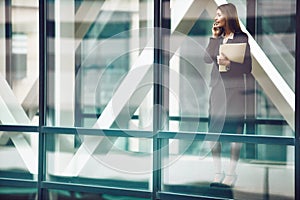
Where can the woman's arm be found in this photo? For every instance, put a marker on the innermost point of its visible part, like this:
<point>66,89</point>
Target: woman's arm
<point>210,54</point>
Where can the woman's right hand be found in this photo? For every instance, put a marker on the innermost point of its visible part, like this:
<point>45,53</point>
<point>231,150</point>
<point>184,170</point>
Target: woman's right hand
<point>216,30</point>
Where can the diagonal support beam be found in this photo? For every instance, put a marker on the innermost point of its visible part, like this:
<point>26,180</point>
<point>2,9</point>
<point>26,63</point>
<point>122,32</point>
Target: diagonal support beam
<point>135,77</point>
<point>115,107</point>
<point>31,102</point>
<point>12,113</point>
<point>273,84</point>
<point>88,13</point>
<point>17,114</point>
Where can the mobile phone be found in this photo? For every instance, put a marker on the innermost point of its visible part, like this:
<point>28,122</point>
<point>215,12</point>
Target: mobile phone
<point>219,29</point>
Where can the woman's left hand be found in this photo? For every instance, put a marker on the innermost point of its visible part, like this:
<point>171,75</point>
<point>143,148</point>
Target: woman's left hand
<point>223,60</point>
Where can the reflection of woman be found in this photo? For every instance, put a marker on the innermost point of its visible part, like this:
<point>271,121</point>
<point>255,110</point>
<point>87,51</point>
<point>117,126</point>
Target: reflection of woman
<point>227,100</point>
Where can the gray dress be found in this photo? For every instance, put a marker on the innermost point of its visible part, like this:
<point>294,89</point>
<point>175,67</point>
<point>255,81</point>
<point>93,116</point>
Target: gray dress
<point>227,97</point>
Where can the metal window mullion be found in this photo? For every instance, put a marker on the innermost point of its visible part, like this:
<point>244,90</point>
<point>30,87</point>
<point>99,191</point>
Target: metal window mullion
<point>157,100</point>
<point>161,82</point>
<point>227,137</point>
<point>42,95</point>
<point>251,149</point>
<point>251,17</point>
<point>297,100</point>
<point>8,42</point>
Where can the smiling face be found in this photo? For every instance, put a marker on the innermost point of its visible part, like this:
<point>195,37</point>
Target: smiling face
<point>220,18</point>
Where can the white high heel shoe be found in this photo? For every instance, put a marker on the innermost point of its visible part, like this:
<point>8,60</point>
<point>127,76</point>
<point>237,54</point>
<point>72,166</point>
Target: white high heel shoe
<point>229,180</point>
<point>218,179</point>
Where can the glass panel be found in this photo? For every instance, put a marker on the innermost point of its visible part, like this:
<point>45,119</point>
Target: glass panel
<point>100,71</point>
<point>19,62</point>
<point>269,175</point>
<point>18,193</point>
<point>188,76</point>
<point>116,197</point>
<point>278,45</point>
<point>99,160</point>
<point>195,95</point>
<point>195,99</point>
<point>20,153</point>
<point>276,35</point>
<point>63,194</point>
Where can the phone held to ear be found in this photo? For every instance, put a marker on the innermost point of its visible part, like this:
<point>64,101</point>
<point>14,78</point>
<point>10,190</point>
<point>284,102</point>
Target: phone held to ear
<point>217,29</point>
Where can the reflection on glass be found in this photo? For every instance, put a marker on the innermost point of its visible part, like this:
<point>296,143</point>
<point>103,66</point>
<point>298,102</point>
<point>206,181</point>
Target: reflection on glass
<point>19,62</point>
<point>99,48</point>
<point>188,100</point>
<point>276,35</point>
<point>114,197</point>
<point>268,175</point>
<point>18,193</point>
<point>99,160</point>
<point>63,194</point>
<point>19,155</point>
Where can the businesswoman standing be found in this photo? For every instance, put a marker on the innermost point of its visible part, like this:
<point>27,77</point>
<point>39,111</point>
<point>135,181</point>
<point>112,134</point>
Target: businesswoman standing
<point>227,97</point>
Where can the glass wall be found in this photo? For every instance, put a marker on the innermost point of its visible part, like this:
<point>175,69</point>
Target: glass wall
<point>100,77</point>
<point>268,111</point>
<point>19,63</point>
<point>107,43</point>
<point>19,95</point>
<point>128,99</point>
<point>97,161</point>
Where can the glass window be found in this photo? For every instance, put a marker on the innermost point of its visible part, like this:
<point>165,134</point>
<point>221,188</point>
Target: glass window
<point>100,72</point>
<point>266,175</point>
<point>276,35</point>
<point>18,193</point>
<point>278,45</point>
<point>99,160</point>
<point>19,155</point>
<point>19,63</point>
<point>63,194</point>
<point>259,103</point>
<point>190,89</point>
<point>100,77</point>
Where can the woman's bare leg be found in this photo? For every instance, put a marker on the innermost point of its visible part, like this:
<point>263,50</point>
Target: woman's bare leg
<point>216,155</point>
<point>235,155</point>
<point>231,176</point>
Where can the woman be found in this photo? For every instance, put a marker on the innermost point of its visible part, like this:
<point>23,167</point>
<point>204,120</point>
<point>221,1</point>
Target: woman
<point>227,98</point>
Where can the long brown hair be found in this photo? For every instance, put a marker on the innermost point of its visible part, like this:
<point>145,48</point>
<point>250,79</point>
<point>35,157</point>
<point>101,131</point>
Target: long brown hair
<point>232,19</point>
